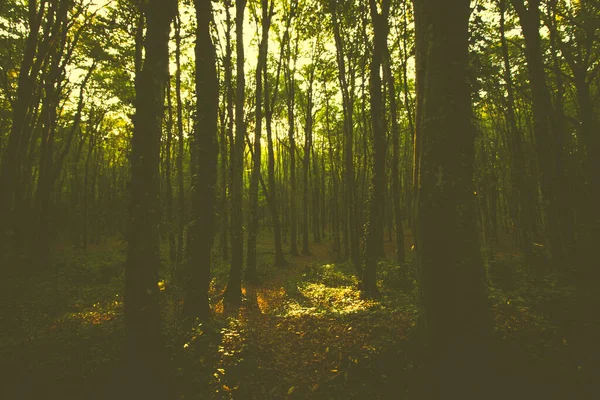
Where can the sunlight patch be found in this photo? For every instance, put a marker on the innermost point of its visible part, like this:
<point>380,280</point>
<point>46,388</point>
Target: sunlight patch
<point>323,299</point>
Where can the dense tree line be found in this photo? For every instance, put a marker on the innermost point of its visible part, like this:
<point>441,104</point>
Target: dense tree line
<point>161,121</point>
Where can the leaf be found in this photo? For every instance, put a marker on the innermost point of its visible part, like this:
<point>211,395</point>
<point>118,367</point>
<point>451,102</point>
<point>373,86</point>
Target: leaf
<point>291,390</point>
<point>315,387</point>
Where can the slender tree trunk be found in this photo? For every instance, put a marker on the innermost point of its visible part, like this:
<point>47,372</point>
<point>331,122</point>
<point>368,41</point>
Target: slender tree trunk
<point>256,162</point>
<point>180,141</point>
<point>228,66</point>
<point>13,154</point>
<point>396,178</point>
<point>291,91</point>
<point>168,183</point>
<point>348,106</point>
<point>269,105</point>
<point>374,231</point>
<point>544,127</point>
<point>522,214</point>
<point>233,293</point>
<point>308,131</point>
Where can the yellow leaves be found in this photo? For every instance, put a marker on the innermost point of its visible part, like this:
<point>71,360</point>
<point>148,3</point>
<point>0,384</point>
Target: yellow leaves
<point>291,390</point>
<point>315,387</point>
<point>161,285</point>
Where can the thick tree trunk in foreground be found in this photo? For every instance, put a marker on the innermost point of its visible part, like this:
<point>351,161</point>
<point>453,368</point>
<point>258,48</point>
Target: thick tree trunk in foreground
<point>204,180</point>
<point>146,356</point>
<point>450,265</point>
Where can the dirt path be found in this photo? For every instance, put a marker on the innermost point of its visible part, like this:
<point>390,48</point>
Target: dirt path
<point>295,338</point>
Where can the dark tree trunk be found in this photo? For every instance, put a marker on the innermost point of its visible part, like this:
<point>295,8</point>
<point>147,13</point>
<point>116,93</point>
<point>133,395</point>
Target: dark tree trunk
<point>168,180</point>
<point>544,127</point>
<point>308,131</point>
<point>450,266</point>
<point>17,143</point>
<point>291,92</point>
<point>180,141</point>
<point>396,178</point>
<point>256,162</point>
<point>233,293</point>
<point>351,226</point>
<point>374,231</point>
<point>146,354</point>
<point>228,66</point>
<point>269,105</point>
<point>204,180</point>
<point>522,212</point>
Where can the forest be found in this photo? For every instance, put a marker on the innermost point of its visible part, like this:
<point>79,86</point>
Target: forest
<point>299,199</point>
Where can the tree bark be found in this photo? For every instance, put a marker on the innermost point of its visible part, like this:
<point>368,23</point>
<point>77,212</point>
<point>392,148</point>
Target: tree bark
<point>348,107</point>
<point>451,286</point>
<point>544,127</point>
<point>204,180</point>
<point>233,293</point>
<point>146,356</point>
<point>374,231</point>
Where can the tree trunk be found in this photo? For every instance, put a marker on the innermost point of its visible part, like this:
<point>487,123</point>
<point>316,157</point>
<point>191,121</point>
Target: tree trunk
<point>269,105</point>
<point>180,141</point>
<point>168,183</point>
<point>348,105</point>
<point>374,231</point>
<point>308,131</point>
<point>233,293</point>
<point>227,65</point>
<point>256,162</point>
<point>205,180</point>
<point>522,212</point>
<point>544,127</point>
<point>146,355</point>
<point>291,92</point>
<point>396,178</point>
<point>450,266</point>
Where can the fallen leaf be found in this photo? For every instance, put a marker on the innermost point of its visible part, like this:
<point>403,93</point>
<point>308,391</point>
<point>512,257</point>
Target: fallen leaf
<point>315,387</point>
<point>291,390</point>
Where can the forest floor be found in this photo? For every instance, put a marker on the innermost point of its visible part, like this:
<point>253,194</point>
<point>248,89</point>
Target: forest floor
<point>303,331</point>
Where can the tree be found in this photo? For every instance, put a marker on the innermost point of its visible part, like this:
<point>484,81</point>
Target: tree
<point>267,12</point>
<point>374,231</point>
<point>205,179</point>
<point>270,103</point>
<point>450,266</point>
<point>234,285</point>
<point>145,351</point>
<point>290,85</point>
<point>549,153</point>
<point>346,82</point>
